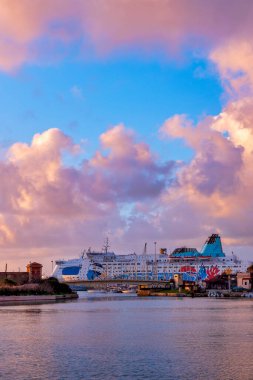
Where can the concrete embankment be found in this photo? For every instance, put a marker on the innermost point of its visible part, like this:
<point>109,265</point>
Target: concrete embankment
<point>153,292</point>
<point>37,298</point>
<point>167,294</point>
<point>213,294</point>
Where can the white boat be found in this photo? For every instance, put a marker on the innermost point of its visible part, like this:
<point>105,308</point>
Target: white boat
<point>194,265</point>
<point>129,291</point>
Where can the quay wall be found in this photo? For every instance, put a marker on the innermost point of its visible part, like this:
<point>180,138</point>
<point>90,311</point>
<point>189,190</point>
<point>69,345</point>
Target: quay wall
<point>39,298</point>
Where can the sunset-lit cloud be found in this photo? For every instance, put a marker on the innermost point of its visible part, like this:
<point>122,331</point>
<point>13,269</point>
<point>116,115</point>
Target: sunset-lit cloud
<point>217,181</point>
<point>129,171</point>
<point>217,162</point>
<point>104,26</point>
<point>40,193</point>
<point>54,195</point>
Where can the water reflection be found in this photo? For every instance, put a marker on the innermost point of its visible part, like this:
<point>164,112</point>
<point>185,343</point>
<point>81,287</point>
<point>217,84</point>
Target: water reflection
<point>124,337</point>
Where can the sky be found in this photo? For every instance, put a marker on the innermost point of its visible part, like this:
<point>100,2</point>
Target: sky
<point>131,120</point>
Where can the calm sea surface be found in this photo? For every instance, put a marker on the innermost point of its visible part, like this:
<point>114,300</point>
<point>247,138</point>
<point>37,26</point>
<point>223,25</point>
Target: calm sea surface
<point>116,336</point>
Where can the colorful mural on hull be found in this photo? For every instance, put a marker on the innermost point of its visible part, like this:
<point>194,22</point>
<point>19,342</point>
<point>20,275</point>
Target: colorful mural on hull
<point>95,271</point>
<point>92,274</point>
<point>189,273</point>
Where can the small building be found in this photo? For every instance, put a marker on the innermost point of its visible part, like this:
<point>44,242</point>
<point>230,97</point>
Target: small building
<point>221,282</point>
<point>34,271</point>
<point>243,280</point>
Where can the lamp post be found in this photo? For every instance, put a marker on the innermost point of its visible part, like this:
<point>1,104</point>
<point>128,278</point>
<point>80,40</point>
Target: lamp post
<point>52,265</point>
<point>155,267</point>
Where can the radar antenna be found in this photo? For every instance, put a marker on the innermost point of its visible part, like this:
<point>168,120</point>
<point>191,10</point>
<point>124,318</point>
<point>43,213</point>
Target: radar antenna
<point>145,261</point>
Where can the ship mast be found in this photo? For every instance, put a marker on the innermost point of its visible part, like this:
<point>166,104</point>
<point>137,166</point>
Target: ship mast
<point>106,245</point>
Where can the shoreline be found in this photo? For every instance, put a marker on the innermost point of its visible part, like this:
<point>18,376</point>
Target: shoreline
<point>37,298</point>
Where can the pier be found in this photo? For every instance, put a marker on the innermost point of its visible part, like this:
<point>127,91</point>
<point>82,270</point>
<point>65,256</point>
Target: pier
<point>101,284</point>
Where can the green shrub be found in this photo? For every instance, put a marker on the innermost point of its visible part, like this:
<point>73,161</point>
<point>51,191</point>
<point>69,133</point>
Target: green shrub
<point>9,282</point>
<point>56,286</point>
<point>49,286</point>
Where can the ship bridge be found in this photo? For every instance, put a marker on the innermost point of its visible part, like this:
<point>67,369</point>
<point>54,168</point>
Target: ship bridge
<point>185,252</point>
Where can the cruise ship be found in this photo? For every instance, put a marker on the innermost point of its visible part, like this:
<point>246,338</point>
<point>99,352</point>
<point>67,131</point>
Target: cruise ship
<point>194,265</point>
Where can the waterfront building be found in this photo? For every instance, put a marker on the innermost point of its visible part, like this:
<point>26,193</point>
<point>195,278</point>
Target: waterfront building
<point>34,271</point>
<point>243,280</point>
<point>222,282</point>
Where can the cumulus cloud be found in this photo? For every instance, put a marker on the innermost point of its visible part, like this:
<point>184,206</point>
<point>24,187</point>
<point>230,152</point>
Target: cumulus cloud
<point>45,203</point>
<point>216,185</point>
<point>234,62</point>
<point>129,171</point>
<point>125,188</point>
<point>217,162</point>
<point>21,23</point>
<point>217,182</point>
<point>167,24</point>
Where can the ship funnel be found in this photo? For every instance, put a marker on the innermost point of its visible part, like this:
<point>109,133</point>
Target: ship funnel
<point>213,247</point>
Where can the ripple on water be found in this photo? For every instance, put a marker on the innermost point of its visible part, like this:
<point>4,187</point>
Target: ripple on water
<point>120,337</point>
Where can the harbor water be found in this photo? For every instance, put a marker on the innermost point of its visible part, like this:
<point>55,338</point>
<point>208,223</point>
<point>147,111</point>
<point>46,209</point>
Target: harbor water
<point>120,336</point>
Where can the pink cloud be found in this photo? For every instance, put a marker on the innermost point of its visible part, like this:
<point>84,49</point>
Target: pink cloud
<point>217,162</point>
<point>49,209</point>
<point>215,187</point>
<point>109,25</point>
<point>233,60</point>
<point>129,170</point>
<point>43,203</point>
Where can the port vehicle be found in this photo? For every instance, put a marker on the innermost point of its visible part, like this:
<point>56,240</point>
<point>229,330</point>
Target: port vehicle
<point>248,295</point>
<point>192,264</point>
<point>238,289</point>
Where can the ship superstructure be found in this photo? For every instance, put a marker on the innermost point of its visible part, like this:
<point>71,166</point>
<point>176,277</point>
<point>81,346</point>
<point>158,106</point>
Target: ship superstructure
<point>194,265</point>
